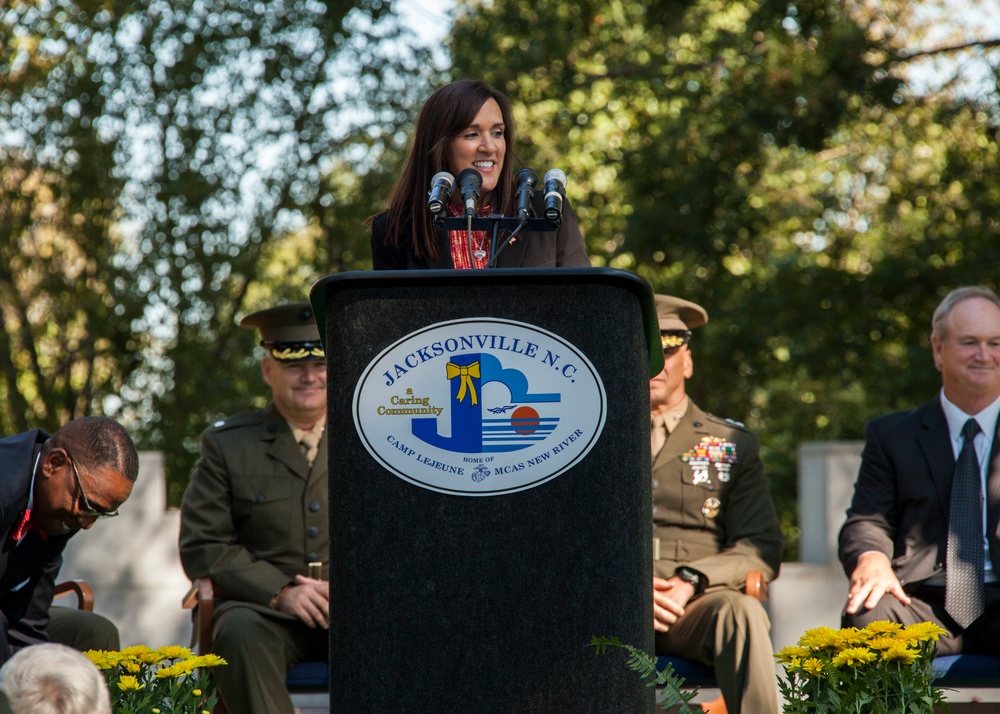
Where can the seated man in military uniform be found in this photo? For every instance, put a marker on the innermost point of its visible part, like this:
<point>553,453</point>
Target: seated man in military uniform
<point>254,517</point>
<point>713,522</point>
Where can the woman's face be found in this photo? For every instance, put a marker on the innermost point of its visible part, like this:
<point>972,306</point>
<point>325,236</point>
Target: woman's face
<point>480,146</point>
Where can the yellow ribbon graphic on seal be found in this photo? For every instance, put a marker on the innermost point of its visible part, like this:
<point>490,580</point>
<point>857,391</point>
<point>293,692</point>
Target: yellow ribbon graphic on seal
<point>466,373</point>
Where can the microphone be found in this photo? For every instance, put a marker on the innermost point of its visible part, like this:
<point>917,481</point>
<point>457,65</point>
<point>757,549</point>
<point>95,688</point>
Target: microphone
<point>469,183</point>
<point>526,180</point>
<point>442,185</point>
<point>555,191</point>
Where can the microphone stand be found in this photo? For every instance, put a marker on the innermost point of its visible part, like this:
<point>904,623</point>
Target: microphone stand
<point>468,240</point>
<point>494,223</point>
<point>495,248</point>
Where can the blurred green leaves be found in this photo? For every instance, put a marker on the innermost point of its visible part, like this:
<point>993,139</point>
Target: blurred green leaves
<point>767,160</point>
<point>167,168</point>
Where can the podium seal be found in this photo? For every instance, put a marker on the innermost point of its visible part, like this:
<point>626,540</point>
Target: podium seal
<point>479,407</point>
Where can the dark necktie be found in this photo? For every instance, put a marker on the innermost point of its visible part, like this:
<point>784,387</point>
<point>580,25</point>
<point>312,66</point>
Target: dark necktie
<point>964,592</point>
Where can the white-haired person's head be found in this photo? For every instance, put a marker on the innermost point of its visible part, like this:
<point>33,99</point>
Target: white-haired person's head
<point>53,679</point>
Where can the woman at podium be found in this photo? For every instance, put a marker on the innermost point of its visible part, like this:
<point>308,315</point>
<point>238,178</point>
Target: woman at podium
<point>459,167</point>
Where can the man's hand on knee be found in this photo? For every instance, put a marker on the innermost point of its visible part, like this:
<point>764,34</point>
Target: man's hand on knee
<point>872,578</point>
<point>670,596</point>
<point>308,600</point>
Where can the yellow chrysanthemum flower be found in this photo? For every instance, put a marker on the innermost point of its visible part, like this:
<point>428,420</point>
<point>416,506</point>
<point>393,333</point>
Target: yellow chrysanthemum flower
<point>922,632</point>
<point>813,666</point>
<point>169,672</point>
<point>848,636</point>
<point>819,637</point>
<point>901,652</point>
<point>174,652</point>
<point>882,642</point>
<point>786,654</point>
<point>177,669</point>
<point>135,650</point>
<point>853,655</point>
<point>151,657</point>
<point>208,660</point>
<point>882,627</point>
<point>133,667</point>
<point>100,658</point>
<point>128,683</point>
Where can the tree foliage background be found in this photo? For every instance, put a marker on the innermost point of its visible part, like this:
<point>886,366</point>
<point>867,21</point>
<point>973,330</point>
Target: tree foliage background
<point>770,161</point>
<point>167,168</point>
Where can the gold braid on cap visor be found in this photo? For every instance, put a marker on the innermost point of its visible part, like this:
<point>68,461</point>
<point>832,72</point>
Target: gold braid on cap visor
<point>672,339</point>
<point>293,351</point>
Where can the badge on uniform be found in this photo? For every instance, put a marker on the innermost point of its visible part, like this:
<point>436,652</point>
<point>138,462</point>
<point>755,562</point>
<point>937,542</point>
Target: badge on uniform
<point>711,450</point>
<point>710,508</point>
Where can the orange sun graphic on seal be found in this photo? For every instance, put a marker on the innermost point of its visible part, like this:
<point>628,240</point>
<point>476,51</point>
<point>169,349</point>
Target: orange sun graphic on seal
<point>524,420</point>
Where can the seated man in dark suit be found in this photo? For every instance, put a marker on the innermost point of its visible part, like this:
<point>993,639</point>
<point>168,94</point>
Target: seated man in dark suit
<point>50,489</point>
<point>920,542</point>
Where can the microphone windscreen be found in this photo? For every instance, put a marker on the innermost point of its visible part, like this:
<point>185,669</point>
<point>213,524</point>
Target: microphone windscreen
<point>527,176</point>
<point>470,178</point>
<point>444,177</point>
<point>556,175</point>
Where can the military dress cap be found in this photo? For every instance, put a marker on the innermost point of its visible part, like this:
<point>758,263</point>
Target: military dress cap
<point>287,332</point>
<point>677,317</point>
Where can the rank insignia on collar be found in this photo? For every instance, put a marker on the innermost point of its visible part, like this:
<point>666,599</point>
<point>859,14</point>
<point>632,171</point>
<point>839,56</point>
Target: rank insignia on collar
<point>711,450</point>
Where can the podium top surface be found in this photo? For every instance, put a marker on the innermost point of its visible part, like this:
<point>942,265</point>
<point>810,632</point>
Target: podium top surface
<point>445,279</point>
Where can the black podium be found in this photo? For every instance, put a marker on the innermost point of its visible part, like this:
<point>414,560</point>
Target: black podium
<point>489,488</point>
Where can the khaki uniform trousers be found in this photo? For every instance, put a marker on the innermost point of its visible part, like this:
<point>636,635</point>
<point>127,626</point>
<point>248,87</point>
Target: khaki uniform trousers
<point>260,649</point>
<point>730,632</point>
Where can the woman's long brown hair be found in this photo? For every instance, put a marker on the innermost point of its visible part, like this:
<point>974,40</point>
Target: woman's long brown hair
<point>447,113</point>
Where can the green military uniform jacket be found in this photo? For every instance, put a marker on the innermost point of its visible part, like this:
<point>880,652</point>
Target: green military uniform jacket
<point>254,514</point>
<point>722,525</point>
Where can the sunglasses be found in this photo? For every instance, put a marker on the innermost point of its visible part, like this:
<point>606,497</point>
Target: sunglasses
<point>88,510</point>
